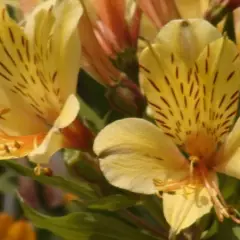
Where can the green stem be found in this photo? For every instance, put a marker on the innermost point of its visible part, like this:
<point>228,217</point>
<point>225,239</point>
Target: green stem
<point>142,224</point>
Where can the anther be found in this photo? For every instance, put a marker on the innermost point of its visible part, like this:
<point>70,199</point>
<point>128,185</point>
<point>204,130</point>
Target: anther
<point>194,159</point>
<point>193,162</point>
<point>6,148</point>
<point>17,145</point>
<point>38,170</point>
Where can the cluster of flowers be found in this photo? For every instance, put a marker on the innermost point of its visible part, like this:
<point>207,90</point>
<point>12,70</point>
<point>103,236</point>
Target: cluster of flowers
<point>189,75</point>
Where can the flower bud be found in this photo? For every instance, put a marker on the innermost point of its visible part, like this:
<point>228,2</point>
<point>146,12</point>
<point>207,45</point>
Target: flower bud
<point>5,222</point>
<point>219,8</point>
<point>68,197</point>
<point>20,230</point>
<point>126,98</point>
<point>233,4</point>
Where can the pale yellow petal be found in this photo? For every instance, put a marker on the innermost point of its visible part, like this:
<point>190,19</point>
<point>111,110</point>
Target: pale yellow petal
<point>61,36</point>
<point>186,39</point>
<point>42,153</point>
<point>31,20</point>
<point>54,140</point>
<point>228,158</point>
<point>217,71</point>
<point>186,100</point>
<point>66,45</point>
<point>31,97</point>
<point>30,66</point>
<point>232,142</point>
<point>185,207</point>
<point>230,166</point>
<point>69,112</point>
<point>192,8</point>
<point>133,152</point>
<point>171,92</point>
<point>14,114</point>
<point>148,31</point>
<point>25,71</point>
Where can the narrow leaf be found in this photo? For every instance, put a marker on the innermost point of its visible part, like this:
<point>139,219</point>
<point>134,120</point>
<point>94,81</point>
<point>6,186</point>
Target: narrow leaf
<point>80,189</point>
<point>85,225</point>
<point>113,203</point>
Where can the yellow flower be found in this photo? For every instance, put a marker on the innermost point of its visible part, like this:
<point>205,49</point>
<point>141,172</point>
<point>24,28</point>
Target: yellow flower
<point>161,12</point>
<point>39,65</point>
<point>191,81</point>
<point>15,230</point>
<point>158,13</point>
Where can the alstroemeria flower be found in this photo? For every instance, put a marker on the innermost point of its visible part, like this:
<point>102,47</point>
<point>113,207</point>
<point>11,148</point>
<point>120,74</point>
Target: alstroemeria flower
<point>39,66</point>
<point>104,33</point>
<point>94,59</point>
<point>115,24</point>
<point>161,12</point>
<point>121,91</point>
<point>158,13</point>
<point>195,102</point>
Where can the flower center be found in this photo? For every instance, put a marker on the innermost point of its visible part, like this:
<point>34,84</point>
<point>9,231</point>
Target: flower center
<point>200,146</point>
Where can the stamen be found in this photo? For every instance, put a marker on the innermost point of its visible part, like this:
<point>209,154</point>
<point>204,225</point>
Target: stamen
<point>222,210</point>
<point>193,160</point>
<point>170,185</point>
<point>39,170</point>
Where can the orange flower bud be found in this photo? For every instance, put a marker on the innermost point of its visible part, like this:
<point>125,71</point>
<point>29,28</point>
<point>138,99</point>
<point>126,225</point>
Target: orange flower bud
<point>20,230</point>
<point>68,197</point>
<point>5,222</point>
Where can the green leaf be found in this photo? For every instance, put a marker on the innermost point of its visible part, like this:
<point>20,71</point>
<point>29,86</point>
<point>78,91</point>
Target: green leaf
<point>229,187</point>
<point>85,225</point>
<point>80,189</point>
<point>113,203</point>
<point>92,93</point>
<point>91,116</point>
<point>211,231</point>
<point>82,166</point>
<point>225,231</point>
<point>154,206</point>
<point>236,231</point>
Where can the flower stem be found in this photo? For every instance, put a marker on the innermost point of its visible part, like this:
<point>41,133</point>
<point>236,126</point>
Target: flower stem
<point>143,224</point>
